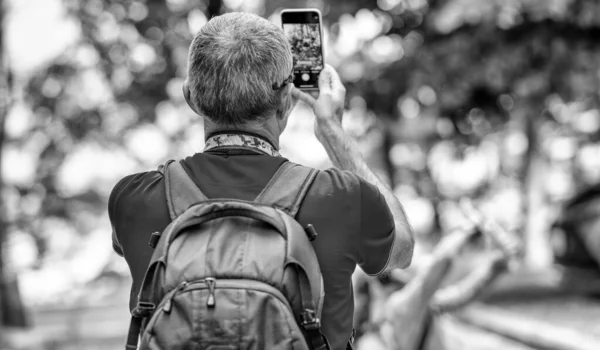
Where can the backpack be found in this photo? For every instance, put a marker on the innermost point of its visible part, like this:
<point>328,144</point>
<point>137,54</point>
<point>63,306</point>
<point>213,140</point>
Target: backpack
<point>232,274</point>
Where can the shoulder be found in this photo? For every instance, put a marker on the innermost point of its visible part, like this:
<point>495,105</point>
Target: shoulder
<point>333,192</point>
<point>345,183</point>
<point>133,190</point>
<point>137,205</point>
<point>333,180</point>
<point>361,193</point>
<point>349,192</point>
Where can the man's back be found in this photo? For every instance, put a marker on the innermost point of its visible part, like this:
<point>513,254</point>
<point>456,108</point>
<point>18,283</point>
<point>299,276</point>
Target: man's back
<point>351,217</point>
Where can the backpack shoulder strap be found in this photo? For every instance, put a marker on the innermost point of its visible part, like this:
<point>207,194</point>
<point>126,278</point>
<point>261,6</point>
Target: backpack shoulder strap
<point>288,187</point>
<point>181,191</point>
<point>286,190</point>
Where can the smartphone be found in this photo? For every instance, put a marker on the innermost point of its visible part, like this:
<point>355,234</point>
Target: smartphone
<point>303,28</point>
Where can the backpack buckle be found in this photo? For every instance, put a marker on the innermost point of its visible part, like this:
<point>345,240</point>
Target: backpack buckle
<point>309,321</point>
<point>143,309</point>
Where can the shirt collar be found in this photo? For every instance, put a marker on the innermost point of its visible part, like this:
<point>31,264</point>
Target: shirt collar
<point>238,140</point>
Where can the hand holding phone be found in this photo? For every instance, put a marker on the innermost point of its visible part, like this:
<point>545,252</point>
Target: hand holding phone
<point>329,106</point>
<point>303,29</point>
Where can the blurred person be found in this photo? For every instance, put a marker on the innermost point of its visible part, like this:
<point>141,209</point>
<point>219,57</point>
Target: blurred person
<point>411,299</point>
<point>239,81</point>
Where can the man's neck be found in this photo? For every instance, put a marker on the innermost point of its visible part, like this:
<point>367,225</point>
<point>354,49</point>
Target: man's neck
<point>264,130</point>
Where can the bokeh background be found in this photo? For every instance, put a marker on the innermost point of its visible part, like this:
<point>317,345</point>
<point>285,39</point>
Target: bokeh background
<point>493,100</point>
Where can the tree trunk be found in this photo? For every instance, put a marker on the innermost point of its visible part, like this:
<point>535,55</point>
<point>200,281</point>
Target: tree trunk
<point>537,247</point>
<point>214,8</point>
<point>12,311</point>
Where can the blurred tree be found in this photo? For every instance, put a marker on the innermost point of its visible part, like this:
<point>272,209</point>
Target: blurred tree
<point>12,311</point>
<point>461,69</point>
<point>427,69</point>
<point>112,101</point>
<point>466,69</point>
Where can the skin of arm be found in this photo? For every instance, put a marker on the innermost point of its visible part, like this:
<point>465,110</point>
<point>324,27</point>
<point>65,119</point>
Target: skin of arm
<point>345,154</point>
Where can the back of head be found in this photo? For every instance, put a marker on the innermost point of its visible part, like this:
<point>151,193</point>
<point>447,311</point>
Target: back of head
<point>233,62</point>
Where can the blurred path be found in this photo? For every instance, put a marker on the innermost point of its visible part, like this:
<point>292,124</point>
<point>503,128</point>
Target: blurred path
<point>524,301</point>
<point>102,326</point>
<point>456,335</point>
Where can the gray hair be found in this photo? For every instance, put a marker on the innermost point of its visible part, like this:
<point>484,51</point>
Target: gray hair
<point>233,62</point>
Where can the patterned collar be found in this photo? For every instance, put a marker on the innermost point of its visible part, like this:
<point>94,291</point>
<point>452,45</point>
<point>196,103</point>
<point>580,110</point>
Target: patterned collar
<point>243,141</point>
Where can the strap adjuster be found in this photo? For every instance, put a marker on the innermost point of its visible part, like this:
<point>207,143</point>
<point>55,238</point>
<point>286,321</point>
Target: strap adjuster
<point>143,309</point>
<point>309,321</point>
<point>310,232</point>
<point>154,239</point>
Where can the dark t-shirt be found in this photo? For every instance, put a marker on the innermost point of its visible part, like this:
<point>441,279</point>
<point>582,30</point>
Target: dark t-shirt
<point>353,222</point>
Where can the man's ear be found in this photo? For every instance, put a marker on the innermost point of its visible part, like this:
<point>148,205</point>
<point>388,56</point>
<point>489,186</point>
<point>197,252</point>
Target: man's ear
<point>286,101</point>
<point>186,95</point>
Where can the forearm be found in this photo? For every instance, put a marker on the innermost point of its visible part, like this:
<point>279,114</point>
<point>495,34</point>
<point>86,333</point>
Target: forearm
<point>345,154</point>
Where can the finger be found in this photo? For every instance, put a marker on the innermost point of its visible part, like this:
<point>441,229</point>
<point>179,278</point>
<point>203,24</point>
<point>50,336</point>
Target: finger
<point>304,97</point>
<point>325,80</point>
<point>335,82</point>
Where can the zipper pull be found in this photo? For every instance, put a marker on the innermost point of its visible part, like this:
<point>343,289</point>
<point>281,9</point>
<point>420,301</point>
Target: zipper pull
<point>167,307</point>
<point>210,282</point>
<point>169,303</point>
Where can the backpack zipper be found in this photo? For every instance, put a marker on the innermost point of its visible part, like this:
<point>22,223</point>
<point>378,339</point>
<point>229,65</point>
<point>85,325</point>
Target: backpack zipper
<point>168,304</point>
<point>210,283</point>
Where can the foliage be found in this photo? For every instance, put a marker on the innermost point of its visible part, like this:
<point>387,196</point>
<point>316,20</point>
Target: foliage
<point>456,79</point>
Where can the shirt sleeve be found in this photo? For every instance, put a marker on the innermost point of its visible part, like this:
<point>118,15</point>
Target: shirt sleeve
<point>113,201</point>
<point>377,231</point>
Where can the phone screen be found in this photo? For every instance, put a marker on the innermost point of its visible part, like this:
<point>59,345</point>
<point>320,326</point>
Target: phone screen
<point>303,30</point>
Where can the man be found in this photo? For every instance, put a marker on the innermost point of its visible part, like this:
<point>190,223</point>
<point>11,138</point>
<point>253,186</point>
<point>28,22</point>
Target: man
<point>239,81</point>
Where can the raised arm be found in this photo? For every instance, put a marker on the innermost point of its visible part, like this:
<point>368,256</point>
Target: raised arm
<point>344,153</point>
